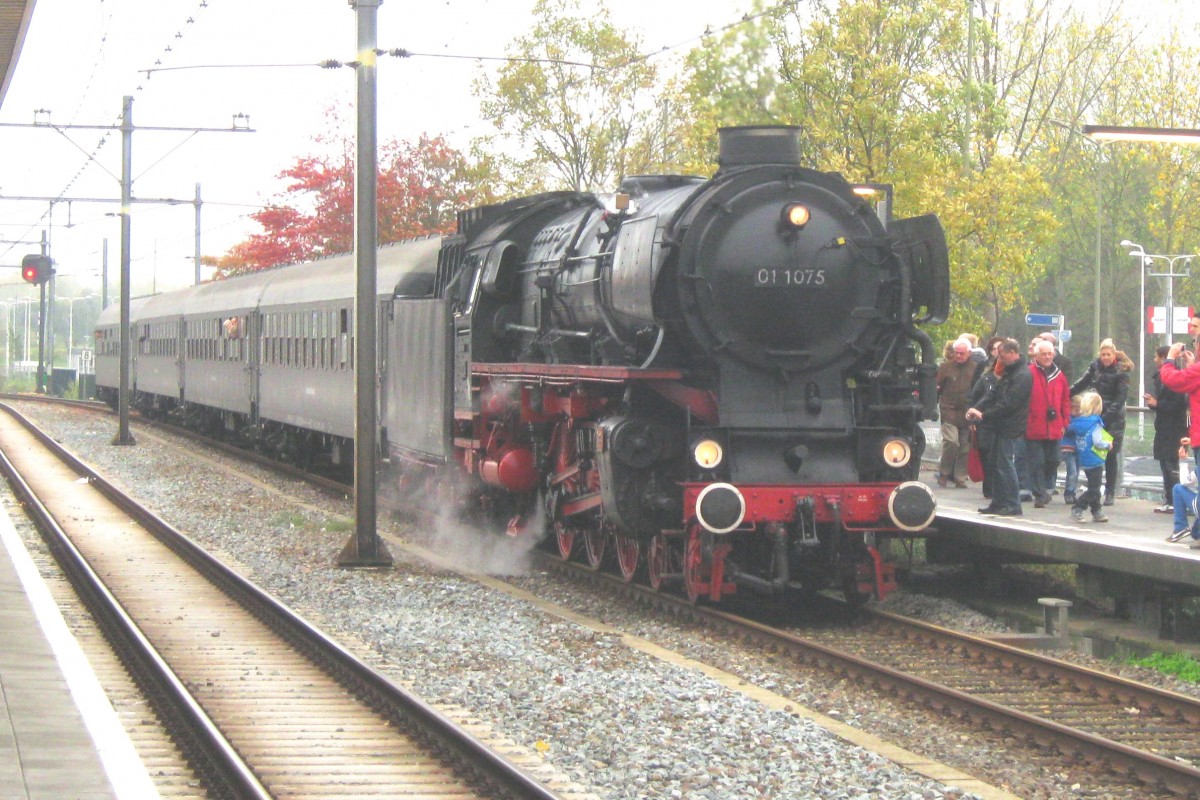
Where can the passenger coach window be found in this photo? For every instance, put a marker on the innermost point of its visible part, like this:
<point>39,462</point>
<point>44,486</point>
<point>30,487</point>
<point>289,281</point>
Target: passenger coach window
<point>344,335</point>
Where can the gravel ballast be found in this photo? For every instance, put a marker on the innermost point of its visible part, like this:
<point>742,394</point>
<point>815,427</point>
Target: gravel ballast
<point>620,723</point>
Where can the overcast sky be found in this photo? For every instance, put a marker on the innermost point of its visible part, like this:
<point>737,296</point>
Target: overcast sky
<point>82,56</point>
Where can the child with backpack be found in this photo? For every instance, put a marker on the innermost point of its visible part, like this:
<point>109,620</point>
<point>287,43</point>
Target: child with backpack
<point>1067,452</point>
<point>1092,443</point>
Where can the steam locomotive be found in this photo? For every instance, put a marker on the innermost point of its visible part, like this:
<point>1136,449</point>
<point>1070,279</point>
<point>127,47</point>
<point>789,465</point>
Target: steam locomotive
<point>716,384</point>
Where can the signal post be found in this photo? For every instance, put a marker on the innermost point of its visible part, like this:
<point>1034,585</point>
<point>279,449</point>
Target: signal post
<point>37,269</point>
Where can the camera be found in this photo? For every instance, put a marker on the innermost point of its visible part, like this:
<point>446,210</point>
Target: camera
<point>1051,414</point>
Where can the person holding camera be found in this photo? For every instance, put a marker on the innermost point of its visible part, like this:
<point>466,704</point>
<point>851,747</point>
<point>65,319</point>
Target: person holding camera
<point>1180,372</point>
<point>1049,413</point>
<point>1170,425</point>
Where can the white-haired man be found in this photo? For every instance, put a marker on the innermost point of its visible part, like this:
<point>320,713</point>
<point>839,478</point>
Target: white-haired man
<point>1060,360</point>
<point>1049,413</point>
<point>954,378</point>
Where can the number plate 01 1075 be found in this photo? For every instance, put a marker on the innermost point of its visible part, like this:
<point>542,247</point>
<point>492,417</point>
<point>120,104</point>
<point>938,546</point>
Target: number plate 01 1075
<point>772,277</point>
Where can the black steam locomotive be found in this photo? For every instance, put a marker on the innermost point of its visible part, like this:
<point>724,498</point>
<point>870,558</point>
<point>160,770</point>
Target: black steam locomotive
<point>720,381</point>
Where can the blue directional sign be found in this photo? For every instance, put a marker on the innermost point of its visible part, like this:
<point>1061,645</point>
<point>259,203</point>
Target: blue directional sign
<point>1044,320</point>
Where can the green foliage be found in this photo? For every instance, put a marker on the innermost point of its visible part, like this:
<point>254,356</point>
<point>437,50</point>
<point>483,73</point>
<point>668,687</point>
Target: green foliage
<point>570,109</point>
<point>730,79</point>
<point>290,519</point>
<point>867,80</point>
<point>19,382</point>
<point>1181,666</point>
<point>337,524</point>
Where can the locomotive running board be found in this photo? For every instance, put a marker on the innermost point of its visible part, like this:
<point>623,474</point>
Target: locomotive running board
<point>570,373</point>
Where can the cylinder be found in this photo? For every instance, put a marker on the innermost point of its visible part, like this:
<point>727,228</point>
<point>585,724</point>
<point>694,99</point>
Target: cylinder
<point>511,469</point>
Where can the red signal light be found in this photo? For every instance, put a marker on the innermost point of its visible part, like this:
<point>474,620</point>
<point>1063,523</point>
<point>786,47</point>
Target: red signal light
<point>36,269</point>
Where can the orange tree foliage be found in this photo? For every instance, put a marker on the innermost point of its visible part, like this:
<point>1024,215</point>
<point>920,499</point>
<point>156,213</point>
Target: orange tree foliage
<point>420,188</point>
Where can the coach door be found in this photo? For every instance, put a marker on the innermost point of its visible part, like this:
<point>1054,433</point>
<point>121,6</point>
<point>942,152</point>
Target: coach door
<point>251,353</point>
<point>180,338</point>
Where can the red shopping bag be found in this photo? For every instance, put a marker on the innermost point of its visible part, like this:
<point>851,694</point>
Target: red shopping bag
<point>974,462</point>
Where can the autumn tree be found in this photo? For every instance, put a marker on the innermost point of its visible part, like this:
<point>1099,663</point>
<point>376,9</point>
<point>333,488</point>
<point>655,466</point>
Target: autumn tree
<point>570,103</point>
<point>420,188</point>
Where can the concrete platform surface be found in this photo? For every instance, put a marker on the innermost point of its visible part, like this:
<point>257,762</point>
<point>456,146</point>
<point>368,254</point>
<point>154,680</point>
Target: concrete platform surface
<point>60,738</point>
<point>1132,542</point>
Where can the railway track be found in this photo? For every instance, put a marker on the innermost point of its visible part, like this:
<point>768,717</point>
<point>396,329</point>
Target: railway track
<point>1134,732</point>
<point>263,704</point>
<point>1124,728</point>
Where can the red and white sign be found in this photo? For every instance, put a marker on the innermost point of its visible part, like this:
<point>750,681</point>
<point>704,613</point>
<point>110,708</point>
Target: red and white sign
<point>1156,319</point>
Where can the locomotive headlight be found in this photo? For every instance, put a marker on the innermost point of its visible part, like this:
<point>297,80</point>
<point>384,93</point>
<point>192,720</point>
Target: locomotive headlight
<point>708,454</point>
<point>795,215</point>
<point>896,453</point>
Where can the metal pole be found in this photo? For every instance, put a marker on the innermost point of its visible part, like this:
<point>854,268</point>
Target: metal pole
<point>104,275</point>
<point>41,365</point>
<point>1141,366</point>
<point>123,435</point>
<point>1170,303</point>
<point>1099,247</point>
<point>970,87</point>
<point>364,547</point>
<point>51,293</point>
<point>197,234</point>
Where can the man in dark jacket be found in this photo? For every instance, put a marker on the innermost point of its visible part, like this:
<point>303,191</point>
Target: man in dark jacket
<point>1170,425</point>
<point>1004,411</point>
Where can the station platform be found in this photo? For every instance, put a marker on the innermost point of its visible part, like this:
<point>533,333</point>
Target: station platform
<point>1126,559</point>
<point>60,738</point>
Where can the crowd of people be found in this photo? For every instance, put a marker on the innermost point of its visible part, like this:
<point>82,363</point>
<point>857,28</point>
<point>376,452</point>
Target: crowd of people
<point>1017,412</point>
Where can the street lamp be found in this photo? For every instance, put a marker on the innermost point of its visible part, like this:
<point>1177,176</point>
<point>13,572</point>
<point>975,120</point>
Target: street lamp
<point>71,301</point>
<point>1143,262</point>
<point>1147,261</point>
<point>1125,133</point>
<point>8,335</point>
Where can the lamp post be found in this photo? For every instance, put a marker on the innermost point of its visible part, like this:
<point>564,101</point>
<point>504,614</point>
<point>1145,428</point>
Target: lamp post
<point>1101,134</point>
<point>71,301</point>
<point>8,335</point>
<point>1143,262</point>
<point>1146,261</point>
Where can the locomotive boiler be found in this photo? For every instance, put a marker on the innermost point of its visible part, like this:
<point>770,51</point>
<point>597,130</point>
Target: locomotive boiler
<point>715,384</point>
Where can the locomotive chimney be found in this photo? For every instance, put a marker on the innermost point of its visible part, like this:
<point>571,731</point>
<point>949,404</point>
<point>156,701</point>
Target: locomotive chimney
<point>759,144</point>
